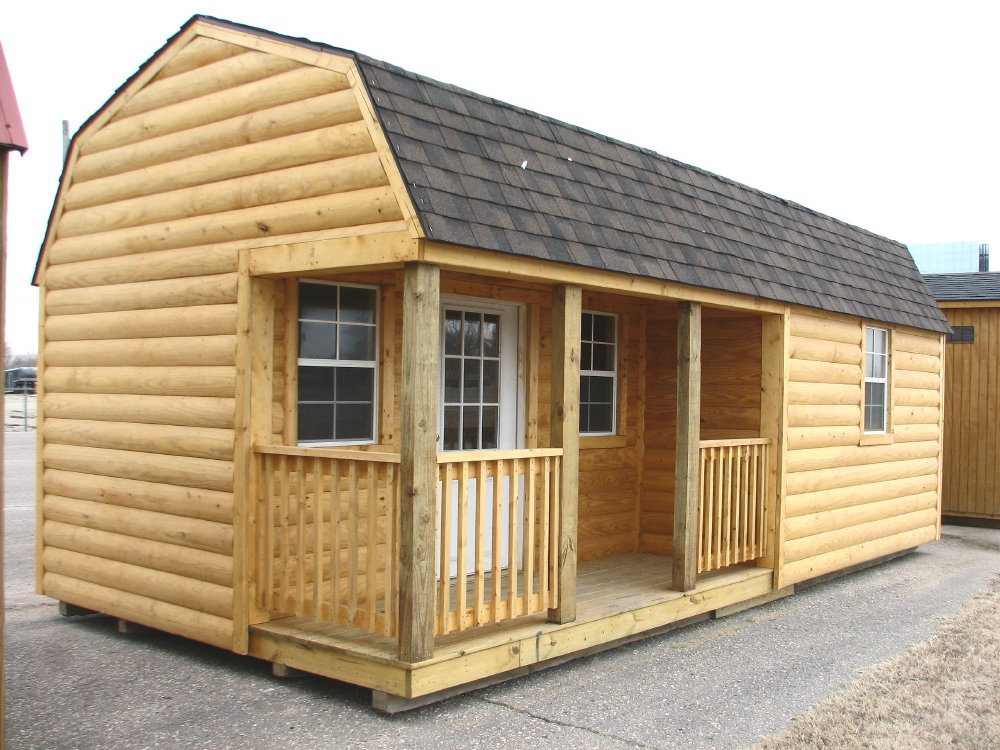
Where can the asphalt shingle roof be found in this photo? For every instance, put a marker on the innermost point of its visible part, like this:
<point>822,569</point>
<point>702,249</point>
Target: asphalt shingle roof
<point>585,199</point>
<point>964,286</point>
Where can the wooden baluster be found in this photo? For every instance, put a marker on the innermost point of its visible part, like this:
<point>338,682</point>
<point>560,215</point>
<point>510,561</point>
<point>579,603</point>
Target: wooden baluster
<point>543,533</point>
<point>285,546</point>
<point>513,495</point>
<point>739,510</point>
<point>480,569</point>
<point>702,501</point>
<point>556,514</point>
<point>461,582</point>
<point>754,474</point>
<point>317,515</point>
<point>497,499</point>
<point>353,542</point>
<point>764,494</point>
<point>300,536</point>
<point>371,589</point>
<point>336,569</point>
<point>444,535</point>
<point>529,537</point>
<point>389,593</point>
<point>709,454</point>
<point>267,580</point>
<point>720,494</point>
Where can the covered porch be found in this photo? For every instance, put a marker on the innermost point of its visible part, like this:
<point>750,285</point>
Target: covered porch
<point>405,557</point>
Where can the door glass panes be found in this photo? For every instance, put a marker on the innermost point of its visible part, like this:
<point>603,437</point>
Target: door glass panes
<point>337,362</point>
<point>471,380</point>
<point>598,373</point>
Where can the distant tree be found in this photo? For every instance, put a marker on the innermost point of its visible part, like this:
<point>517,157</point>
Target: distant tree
<point>21,359</point>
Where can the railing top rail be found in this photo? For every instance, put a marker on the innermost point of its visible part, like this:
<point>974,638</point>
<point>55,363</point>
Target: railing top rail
<point>734,442</point>
<point>324,452</point>
<point>462,456</point>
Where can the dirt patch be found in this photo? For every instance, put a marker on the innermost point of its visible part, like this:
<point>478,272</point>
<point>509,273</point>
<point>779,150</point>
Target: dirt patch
<point>943,692</point>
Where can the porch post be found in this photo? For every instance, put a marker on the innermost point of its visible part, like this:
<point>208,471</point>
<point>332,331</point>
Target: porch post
<point>418,460</point>
<point>688,458</point>
<point>565,434</point>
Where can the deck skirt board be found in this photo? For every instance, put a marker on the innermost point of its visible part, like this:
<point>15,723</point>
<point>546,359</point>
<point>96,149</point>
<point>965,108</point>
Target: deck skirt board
<point>619,597</point>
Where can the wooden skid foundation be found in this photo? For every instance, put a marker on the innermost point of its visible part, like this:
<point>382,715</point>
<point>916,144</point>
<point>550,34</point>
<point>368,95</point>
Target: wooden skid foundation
<point>619,599</point>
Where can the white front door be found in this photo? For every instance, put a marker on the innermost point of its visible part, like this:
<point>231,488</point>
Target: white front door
<point>480,403</point>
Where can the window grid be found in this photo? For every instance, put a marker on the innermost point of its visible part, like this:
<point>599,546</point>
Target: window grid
<point>876,405</point>
<point>961,335</point>
<point>598,373</point>
<point>471,380</point>
<point>337,363</point>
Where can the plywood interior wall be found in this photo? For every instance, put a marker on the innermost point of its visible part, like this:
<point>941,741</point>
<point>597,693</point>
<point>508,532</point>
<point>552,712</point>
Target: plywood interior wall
<point>224,148</point>
<point>972,417</point>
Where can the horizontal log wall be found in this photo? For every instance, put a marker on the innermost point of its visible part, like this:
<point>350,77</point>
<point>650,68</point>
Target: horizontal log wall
<point>972,417</point>
<point>852,498</point>
<point>223,147</point>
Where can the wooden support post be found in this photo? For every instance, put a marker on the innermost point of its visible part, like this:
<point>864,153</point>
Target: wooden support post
<point>565,434</point>
<point>71,610</point>
<point>686,495</point>
<point>418,460</point>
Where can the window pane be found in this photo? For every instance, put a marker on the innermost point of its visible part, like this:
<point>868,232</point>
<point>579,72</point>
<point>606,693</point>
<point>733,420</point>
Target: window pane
<point>316,383</point>
<point>318,301</point>
<point>491,381</point>
<point>451,415</point>
<point>587,326</point>
<point>357,342</point>
<point>452,332</point>
<point>881,341</point>
<point>586,356</point>
<point>604,328</point>
<point>317,340</point>
<point>355,384</point>
<point>471,385</point>
<point>584,417</point>
<point>600,418</point>
<point>491,335</point>
<point>353,422</point>
<point>601,389</point>
<point>604,357</point>
<point>452,380</point>
<point>470,428</point>
<point>315,421</point>
<point>875,407</point>
<point>490,418</point>
<point>472,326</point>
<point>357,305</point>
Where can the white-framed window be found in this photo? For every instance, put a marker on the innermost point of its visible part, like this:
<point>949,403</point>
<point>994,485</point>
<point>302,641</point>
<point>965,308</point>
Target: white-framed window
<point>598,373</point>
<point>337,362</point>
<point>876,416</point>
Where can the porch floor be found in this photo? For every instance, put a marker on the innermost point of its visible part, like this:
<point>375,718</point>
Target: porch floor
<point>617,597</point>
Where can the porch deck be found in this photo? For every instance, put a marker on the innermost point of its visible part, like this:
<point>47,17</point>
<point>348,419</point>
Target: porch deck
<point>617,598</point>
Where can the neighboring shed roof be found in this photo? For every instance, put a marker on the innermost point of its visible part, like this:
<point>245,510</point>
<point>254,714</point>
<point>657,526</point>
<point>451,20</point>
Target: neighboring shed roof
<point>964,286</point>
<point>12,135</point>
<point>586,199</point>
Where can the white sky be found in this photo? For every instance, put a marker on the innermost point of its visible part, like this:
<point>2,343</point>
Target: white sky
<point>882,114</point>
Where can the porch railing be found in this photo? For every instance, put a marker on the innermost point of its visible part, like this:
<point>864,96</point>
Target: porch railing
<point>731,513</point>
<point>329,522</point>
<point>328,536</point>
<point>497,554</point>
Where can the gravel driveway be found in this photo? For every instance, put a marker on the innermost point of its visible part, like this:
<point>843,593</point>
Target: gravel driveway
<point>77,683</point>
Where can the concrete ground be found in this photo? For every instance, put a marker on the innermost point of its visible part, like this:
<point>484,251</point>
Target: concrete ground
<point>77,683</point>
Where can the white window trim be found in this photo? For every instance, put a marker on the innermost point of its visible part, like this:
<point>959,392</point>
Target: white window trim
<point>373,364</point>
<point>604,374</point>
<point>882,380</point>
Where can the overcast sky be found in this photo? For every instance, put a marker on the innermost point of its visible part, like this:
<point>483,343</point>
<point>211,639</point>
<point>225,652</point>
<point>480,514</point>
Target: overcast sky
<point>882,114</point>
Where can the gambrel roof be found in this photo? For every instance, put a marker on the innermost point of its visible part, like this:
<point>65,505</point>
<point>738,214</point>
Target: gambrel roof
<point>488,175</point>
<point>950,287</point>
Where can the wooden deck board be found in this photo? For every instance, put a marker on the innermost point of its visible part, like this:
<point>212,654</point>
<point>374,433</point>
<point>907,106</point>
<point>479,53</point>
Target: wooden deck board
<point>618,598</point>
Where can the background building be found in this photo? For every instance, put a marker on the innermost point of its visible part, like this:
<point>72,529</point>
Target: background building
<point>951,257</point>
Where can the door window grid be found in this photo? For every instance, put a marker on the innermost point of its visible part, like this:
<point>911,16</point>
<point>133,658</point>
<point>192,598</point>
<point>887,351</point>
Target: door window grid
<point>471,380</point>
<point>337,363</point>
<point>598,373</point>
<point>876,379</point>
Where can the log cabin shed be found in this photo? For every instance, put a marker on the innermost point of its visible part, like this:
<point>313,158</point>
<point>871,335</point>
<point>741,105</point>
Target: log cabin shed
<point>377,378</point>
<point>971,474</point>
